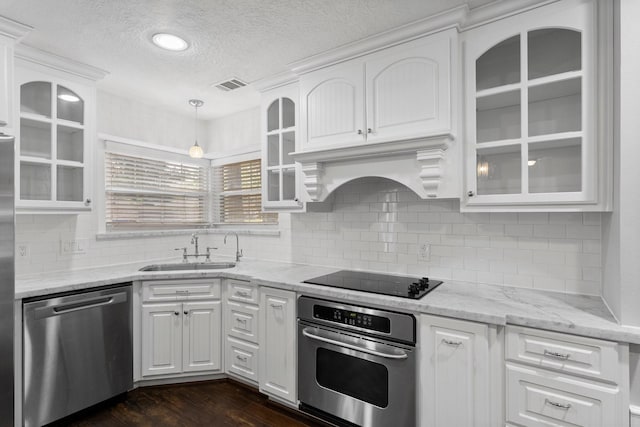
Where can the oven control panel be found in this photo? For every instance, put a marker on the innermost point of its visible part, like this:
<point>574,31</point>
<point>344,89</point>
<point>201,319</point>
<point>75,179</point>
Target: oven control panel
<point>353,318</point>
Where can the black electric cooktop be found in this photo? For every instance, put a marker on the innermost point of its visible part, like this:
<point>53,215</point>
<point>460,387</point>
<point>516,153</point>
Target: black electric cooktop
<point>385,284</point>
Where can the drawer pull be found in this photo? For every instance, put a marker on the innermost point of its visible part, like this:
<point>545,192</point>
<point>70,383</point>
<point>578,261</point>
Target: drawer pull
<point>243,294</point>
<point>558,405</point>
<point>556,355</point>
<point>243,359</point>
<point>450,342</point>
<point>276,305</point>
<point>182,292</point>
<point>243,321</point>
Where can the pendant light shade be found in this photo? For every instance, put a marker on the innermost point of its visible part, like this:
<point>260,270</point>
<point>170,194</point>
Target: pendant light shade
<point>196,151</point>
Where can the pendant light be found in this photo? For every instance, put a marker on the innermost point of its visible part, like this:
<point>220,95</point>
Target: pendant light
<point>196,151</point>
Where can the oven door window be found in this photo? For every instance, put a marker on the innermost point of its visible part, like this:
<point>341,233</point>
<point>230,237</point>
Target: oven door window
<point>362,379</point>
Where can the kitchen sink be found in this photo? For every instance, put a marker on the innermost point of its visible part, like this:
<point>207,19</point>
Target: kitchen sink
<point>189,266</point>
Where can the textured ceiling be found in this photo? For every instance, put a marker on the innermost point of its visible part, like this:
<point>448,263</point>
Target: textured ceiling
<point>249,39</point>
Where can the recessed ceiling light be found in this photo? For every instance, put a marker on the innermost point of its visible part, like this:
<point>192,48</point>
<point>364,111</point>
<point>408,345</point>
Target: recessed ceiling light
<point>68,97</point>
<point>169,42</point>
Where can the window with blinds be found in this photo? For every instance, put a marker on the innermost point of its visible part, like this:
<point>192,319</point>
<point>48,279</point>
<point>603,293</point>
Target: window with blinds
<point>149,193</point>
<point>238,194</point>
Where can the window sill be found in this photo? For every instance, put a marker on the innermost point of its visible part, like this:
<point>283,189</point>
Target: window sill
<point>242,231</point>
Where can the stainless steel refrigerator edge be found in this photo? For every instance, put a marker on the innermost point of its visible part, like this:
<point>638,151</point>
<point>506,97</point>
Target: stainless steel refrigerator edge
<point>7,278</point>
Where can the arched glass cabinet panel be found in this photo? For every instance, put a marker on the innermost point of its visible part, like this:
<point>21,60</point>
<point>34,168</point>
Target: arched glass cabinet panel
<point>280,168</point>
<point>529,115</point>
<point>52,145</point>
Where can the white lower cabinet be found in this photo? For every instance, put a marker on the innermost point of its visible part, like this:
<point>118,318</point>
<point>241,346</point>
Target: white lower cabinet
<point>454,387</point>
<point>278,361</point>
<point>242,359</point>
<point>242,319</point>
<point>537,397</point>
<point>180,337</point>
<point>555,379</point>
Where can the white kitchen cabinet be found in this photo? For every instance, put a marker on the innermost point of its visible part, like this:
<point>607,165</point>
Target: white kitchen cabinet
<point>55,135</point>
<point>399,93</point>
<point>181,333</point>
<point>278,361</point>
<point>560,379</point>
<point>242,329</point>
<point>161,339</point>
<point>536,109</point>
<point>201,340</point>
<point>6,83</point>
<point>281,188</point>
<point>454,387</point>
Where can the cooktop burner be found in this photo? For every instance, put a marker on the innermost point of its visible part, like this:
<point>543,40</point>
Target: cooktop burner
<point>385,284</point>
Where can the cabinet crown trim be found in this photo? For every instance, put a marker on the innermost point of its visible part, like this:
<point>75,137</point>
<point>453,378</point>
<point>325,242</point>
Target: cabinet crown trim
<point>13,29</point>
<point>59,63</point>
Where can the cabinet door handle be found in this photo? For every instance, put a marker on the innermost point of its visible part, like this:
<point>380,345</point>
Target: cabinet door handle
<point>186,312</point>
<point>558,405</point>
<point>556,354</point>
<point>87,202</point>
<point>369,130</point>
<point>450,342</point>
<point>177,313</point>
<point>276,305</point>
<point>470,194</point>
<point>359,131</point>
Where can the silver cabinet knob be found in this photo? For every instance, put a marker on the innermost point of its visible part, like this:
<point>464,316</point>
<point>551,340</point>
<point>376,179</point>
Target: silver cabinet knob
<point>470,194</point>
<point>87,202</point>
<point>369,130</point>
<point>359,131</point>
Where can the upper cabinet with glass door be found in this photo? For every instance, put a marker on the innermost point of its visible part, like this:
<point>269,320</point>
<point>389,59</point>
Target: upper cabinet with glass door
<point>280,177</point>
<point>535,137</point>
<point>54,141</point>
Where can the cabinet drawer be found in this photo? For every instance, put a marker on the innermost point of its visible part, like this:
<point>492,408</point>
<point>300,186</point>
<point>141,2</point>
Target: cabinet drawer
<point>242,291</point>
<point>536,397</point>
<point>242,321</point>
<point>569,353</point>
<point>242,359</point>
<point>172,290</point>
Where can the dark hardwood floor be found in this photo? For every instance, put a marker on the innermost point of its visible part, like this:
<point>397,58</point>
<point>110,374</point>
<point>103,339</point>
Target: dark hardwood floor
<point>211,403</point>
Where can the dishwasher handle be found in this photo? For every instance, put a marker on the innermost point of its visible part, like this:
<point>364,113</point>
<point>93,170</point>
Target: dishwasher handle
<point>83,304</point>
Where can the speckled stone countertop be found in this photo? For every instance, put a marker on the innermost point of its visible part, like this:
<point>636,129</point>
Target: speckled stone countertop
<point>501,305</point>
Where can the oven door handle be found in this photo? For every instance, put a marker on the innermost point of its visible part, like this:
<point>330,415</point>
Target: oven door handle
<point>339,343</point>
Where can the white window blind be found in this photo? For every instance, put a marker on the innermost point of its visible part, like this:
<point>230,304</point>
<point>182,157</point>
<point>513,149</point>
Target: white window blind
<point>237,194</point>
<point>149,193</point>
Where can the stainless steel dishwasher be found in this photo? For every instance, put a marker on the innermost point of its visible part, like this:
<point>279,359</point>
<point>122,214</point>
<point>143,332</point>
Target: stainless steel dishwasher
<point>77,351</point>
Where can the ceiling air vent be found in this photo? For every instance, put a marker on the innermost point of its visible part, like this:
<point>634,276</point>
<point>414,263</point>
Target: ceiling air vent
<point>230,84</point>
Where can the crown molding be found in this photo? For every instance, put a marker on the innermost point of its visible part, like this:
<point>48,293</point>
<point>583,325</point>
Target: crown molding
<point>60,63</point>
<point>13,29</point>
<point>275,81</point>
<point>417,29</point>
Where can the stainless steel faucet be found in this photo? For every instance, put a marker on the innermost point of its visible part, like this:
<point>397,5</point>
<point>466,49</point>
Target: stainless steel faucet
<point>238,250</point>
<point>197,254</point>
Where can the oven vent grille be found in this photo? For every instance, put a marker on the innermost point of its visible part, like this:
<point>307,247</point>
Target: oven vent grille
<point>231,84</point>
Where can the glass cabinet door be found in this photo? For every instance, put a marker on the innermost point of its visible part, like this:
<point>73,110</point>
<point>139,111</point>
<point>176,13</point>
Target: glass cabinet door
<point>52,143</point>
<point>280,143</point>
<point>529,109</point>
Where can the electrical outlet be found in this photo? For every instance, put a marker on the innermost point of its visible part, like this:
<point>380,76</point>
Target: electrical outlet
<point>71,247</point>
<point>425,251</point>
<point>23,251</point>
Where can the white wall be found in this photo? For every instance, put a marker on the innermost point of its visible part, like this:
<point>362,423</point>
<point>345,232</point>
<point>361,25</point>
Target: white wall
<point>43,236</point>
<point>621,287</point>
<point>235,133</point>
<point>378,224</point>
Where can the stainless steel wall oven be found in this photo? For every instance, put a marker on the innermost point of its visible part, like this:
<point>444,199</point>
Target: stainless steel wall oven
<point>356,365</point>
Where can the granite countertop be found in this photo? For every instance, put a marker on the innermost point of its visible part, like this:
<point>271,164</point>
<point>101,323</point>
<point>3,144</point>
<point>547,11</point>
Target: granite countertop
<point>501,305</point>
